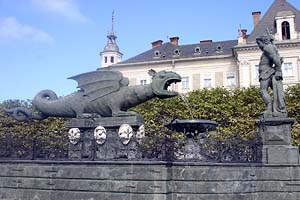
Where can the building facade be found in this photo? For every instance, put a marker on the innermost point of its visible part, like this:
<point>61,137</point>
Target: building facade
<point>231,63</point>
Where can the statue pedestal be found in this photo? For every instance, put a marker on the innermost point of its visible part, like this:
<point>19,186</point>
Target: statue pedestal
<point>112,143</point>
<point>276,154</point>
<point>277,141</point>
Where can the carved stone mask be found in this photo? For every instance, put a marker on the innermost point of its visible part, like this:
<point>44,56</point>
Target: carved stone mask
<point>140,134</point>
<point>125,133</point>
<point>100,134</point>
<point>74,135</point>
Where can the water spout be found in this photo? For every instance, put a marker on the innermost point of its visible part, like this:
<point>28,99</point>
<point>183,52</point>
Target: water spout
<point>187,104</point>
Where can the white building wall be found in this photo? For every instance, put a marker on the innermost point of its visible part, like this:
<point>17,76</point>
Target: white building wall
<point>117,58</point>
<point>195,70</point>
<point>248,60</point>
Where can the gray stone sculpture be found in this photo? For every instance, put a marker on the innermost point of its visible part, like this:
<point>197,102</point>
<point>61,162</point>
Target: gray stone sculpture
<point>103,93</point>
<point>140,134</point>
<point>125,133</point>
<point>100,135</point>
<point>274,125</point>
<point>74,135</point>
<point>270,76</point>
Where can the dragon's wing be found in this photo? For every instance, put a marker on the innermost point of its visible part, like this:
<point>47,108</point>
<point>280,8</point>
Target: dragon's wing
<point>97,84</point>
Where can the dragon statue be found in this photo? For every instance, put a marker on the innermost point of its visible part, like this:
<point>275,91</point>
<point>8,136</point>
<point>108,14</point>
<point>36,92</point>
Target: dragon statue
<point>102,93</point>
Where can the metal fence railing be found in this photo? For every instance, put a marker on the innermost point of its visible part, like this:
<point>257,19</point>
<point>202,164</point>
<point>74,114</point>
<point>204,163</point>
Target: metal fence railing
<point>235,150</point>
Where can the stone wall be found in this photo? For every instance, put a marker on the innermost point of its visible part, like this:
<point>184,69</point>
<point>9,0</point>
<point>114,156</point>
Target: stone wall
<point>38,180</point>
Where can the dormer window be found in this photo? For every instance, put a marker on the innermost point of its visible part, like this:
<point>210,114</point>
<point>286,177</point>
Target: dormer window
<point>285,29</point>
<point>157,54</point>
<point>176,52</point>
<point>219,49</point>
<point>197,50</point>
<point>285,26</point>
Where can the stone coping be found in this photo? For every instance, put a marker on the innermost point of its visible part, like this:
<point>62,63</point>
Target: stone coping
<point>275,121</point>
<point>143,163</point>
<point>107,122</point>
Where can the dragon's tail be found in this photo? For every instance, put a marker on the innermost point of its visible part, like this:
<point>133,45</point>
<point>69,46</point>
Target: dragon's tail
<point>45,95</point>
<point>24,114</point>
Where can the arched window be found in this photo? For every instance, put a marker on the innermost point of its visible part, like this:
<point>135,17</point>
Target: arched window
<point>285,27</point>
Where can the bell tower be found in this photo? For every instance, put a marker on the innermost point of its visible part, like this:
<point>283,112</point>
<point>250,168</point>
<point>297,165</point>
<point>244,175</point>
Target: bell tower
<point>111,53</point>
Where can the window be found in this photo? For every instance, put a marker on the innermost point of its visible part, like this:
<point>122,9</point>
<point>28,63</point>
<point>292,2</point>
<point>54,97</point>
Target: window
<point>157,54</point>
<point>287,69</point>
<point>176,52</point>
<point>231,79</point>
<point>185,82</point>
<point>112,59</point>
<point>219,49</point>
<point>207,81</point>
<point>285,28</point>
<point>105,59</point>
<point>143,82</point>
<point>256,72</point>
<point>197,50</point>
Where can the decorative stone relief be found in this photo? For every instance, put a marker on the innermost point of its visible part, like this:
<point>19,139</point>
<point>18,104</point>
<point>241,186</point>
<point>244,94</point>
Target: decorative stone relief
<point>140,134</point>
<point>243,63</point>
<point>100,135</point>
<point>244,71</point>
<point>125,133</point>
<point>74,135</point>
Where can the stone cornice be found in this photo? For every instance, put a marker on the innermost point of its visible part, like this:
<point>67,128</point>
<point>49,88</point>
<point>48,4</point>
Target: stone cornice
<point>288,45</point>
<point>171,61</point>
<point>280,45</point>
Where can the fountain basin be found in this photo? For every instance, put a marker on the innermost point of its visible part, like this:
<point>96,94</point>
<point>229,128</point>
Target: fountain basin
<point>192,127</point>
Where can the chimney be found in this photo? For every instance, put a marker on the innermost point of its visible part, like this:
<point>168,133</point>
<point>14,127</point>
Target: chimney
<point>205,41</point>
<point>156,43</point>
<point>256,17</point>
<point>242,39</point>
<point>244,34</point>
<point>174,40</point>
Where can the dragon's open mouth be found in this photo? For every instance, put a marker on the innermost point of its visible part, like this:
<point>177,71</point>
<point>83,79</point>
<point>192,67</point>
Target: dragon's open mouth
<point>169,85</point>
<point>163,84</point>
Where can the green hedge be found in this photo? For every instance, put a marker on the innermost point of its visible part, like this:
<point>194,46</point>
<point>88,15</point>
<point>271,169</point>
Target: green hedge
<point>51,127</point>
<point>235,110</point>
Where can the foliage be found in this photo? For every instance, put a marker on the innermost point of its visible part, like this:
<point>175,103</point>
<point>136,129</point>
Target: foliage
<point>235,110</point>
<point>292,98</point>
<point>51,127</point>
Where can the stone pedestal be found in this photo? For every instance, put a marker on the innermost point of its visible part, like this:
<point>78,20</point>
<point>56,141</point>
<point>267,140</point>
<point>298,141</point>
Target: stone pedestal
<point>280,154</point>
<point>112,144</point>
<point>277,141</point>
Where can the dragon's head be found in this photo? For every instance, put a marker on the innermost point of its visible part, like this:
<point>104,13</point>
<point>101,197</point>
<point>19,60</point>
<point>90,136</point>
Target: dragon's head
<point>161,81</point>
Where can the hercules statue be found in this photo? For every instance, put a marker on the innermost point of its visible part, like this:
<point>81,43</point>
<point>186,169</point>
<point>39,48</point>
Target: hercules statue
<point>270,76</point>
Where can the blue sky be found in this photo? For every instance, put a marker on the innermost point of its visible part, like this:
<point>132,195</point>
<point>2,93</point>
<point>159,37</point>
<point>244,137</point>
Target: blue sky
<point>43,42</point>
